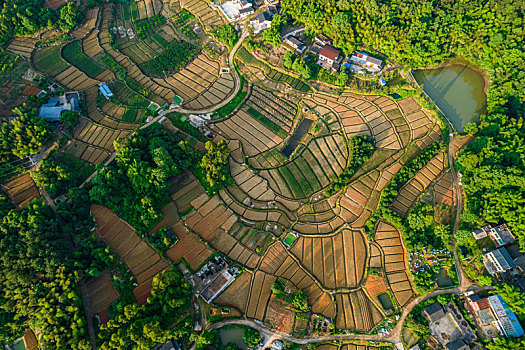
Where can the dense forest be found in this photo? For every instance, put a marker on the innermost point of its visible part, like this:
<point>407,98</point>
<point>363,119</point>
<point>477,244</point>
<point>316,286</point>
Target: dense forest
<point>25,17</point>
<point>488,33</point>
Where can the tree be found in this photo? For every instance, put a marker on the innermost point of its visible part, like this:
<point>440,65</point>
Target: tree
<point>272,36</point>
<point>342,78</point>
<point>300,300</point>
<point>251,337</point>
<point>70,16</point>
<point>288,60</point>
<point>302,68</point>
<point>227,35</point>
<point>506,344</point>
<point>24,135</point>
<point>215,162</point>
<point>70,119</point>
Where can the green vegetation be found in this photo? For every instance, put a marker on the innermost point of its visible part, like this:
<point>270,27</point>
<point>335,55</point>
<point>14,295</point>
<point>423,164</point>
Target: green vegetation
<point>24,17</point>
<point>74,55</point>
<point>287,292</point>
<point>165,316</point>
<point>361,149</point>
<point>38,274</point>
<point>163,239</point>
<point>251,337</point>
<point>227,35</point>
<point>60,172</point>
<point>506,344</point>
<point>235,102</point>
<point>7,61</point>
<point>49,61</point>
<point>272,35</point>
<point>215,163</point>
<point>24,135</point>
<point>175,57</point>
<point>146,26</point>
<point>135,185</point>
<point>276,129</point>
<point>247,58</point>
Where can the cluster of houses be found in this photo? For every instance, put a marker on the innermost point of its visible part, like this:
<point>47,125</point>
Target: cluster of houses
<point>52,110</point>
<point>331,58</point>
<point>213,278</point>
<point>506,258</point>
<point>238,10</point>
<point>450,330</point>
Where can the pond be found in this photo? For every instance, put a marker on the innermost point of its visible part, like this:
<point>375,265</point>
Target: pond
<point>457,90</point>
<point>233,335</point>
<point>297,136</point>
<point>385,301</point>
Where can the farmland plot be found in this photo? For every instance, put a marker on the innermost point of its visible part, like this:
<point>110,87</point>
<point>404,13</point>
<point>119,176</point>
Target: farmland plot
<point>138,256</point>
<point>236,294</point>
<point>338,261</point>
<point>101,293</point>
<point>321,162</point>
<point>443,190</point>
<point>211,220</point>
<point>110,109</point>
<point>389,238</point>
<point>189,248</point>
<point>185,188</point>
<point>21,189</point>
<point>97,135</point>
<point>356,312</point>
<point>259,295</point>
<point>254,136</point>
<point>73,54</point>
<point>203,11</point>
<point>90,21</point>
<point>357,197</point>
<point>281,264</point>
<point>86,152</point>
<point>90,45</point>
<point>162,93</point>
<point>22,46</point>
<point>411,191</point>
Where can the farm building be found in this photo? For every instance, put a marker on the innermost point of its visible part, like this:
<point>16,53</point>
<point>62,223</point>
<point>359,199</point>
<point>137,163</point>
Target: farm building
<point>237,9</point>
<point>362,62</point>
<point>448,325</point>
<point>494,317</point>
<point>52,110</point>
<point>498,261</point>
<point>330,58</point>
<point>261,22</point>
<point>481,233</point>
<point>104,89</point>
<point>221,281</point>
<point>297,44</point>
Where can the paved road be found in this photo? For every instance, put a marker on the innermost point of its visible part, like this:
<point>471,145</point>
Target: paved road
<point>230,97</point>
<point>394,337</point>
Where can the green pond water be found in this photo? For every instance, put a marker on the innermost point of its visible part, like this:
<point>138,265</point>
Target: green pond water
<point>457,90</point>
<point>233,335</point>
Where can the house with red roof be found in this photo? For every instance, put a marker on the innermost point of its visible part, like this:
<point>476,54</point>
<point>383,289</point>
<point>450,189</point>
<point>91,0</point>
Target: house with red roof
<point>330,58</point>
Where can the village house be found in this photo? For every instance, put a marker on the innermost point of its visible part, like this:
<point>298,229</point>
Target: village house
<point>322,40</point>
<point>498,261</point>
<point>330,58</point>
<point>261,22</point>
<point>362,62</point>
<point>295,43</point>
<point>500,235</point>
<point>52,110</point>
<point>449,327</point>
<point>493,317</point>
<point>236,10</point>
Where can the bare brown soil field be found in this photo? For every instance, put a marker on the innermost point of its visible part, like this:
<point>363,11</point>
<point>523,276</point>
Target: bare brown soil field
<point>443,190</point>
<point>54,4</point>
<point>337,261</point>
<point>91,18</point>
<point>101,293</point>
<point>123,239</point>
<point>367,116</point>
<point>279,317</point>
<point>203,11</point>
<point>236,294</point>
<point>97,135</point>
<point>389,238</point>
<point>86,152</point>
<point>254,136</point>
<point>259,295</point>
<point>21,189</point>
<point>188,247</point>
<point>280,263</point>
<point>22,46</point>
<point>356,312</point>
<point>411,191</point>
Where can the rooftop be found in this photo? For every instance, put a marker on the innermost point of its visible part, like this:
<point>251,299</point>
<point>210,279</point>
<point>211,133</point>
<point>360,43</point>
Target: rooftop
<point>330,52</point>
